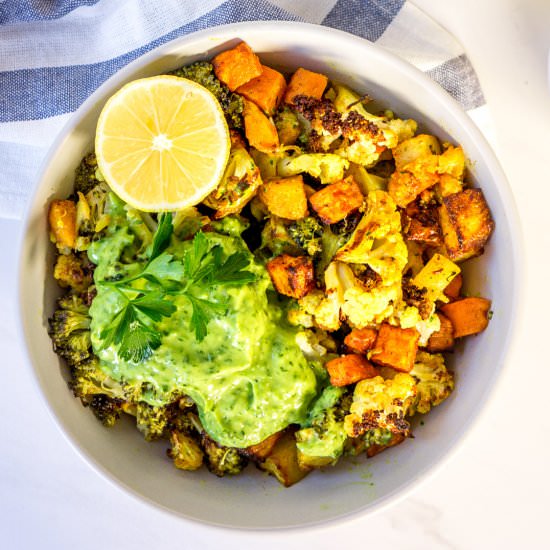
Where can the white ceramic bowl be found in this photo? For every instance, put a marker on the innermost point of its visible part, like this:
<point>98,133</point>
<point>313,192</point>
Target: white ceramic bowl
<point>254,500</point>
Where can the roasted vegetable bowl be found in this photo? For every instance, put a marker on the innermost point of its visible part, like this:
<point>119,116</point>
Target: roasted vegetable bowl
<point>301,318</point>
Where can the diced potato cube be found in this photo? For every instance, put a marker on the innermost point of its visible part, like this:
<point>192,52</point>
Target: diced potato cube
<point>304,82</point>
<point>435,276</point>
<point>237,66</point>
<point>466,223</point>
<point>292,276</point>
<point>283,461</point>
<point>259,130</point>
<point>285,197</point>
<point>266,90</point>
<point>411,149</point>
<point>468,316</point>
<point>263,449</point>
<point>395,347</point>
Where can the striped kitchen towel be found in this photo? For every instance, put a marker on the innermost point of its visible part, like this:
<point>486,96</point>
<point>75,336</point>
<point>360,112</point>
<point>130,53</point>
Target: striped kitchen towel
<point>53,54</point>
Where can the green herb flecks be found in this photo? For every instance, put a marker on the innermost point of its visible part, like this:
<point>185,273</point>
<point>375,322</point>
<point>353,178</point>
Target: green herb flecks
<point>133,328</point>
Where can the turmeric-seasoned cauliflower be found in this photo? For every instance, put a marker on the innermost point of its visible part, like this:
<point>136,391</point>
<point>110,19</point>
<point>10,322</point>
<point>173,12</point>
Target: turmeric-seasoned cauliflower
<point>379,403</point>
<point>327,167</point>
<point>238,185</point>
<point>434,382</point>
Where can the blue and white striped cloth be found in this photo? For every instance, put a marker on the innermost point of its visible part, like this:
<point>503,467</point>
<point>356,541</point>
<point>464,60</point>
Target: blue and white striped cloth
<point>54,53</point>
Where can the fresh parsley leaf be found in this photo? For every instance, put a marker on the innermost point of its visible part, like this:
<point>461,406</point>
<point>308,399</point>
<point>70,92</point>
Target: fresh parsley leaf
<point>139,342</point>
<point>132,329</point>
<point>154,305</point>
<point>203,312</point>
<point>161,239</point>
<point>231,271</point>
<point>164,267</point>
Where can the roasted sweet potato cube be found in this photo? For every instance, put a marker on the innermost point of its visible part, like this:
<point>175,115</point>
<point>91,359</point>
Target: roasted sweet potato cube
<point>292,276</point>
<point>468,316</point>
<point>285,197</point>
<point>282,462</point>
<point>260,131</point>
<point>266,90</point>
<point>237,66</point>
<point>395,347</point>
<point>62,219</point>
<point>304,82</point>
<point>443,339</point>
<point>263,449</point>
<point>452,291</point>
<point>336,201</point>
<point>466,224</point>
<point>349,369</point>
<point>422,225</point>
<point>414,178</point>
<point>361,340</point>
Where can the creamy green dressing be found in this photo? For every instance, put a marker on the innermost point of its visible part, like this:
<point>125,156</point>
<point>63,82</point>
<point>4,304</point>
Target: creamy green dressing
<point>248,377</point>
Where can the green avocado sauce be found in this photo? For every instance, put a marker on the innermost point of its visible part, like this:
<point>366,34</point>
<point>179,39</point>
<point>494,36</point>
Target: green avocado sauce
<point>248,376</point>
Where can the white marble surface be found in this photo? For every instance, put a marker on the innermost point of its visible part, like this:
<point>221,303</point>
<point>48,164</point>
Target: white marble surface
<point>492,494</point>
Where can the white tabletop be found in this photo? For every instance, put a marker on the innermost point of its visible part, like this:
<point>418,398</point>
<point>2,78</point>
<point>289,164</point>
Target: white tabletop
<point>492,494</point>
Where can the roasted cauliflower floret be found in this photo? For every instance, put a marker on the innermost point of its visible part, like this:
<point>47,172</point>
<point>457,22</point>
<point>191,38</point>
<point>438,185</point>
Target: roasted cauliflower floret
<point>434,383</point>
<point>238,185</point>
<point>381,404</point>
<point>327,167</point>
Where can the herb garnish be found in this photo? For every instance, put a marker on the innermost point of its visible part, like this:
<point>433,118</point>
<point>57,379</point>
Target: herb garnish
<point>133,327</point>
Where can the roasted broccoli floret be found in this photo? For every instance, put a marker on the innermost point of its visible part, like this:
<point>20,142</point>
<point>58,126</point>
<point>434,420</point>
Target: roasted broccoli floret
<point>381,404</point>
<point>152,421</point>
<point>106,409</point>
<point>307,234</point>
<point>434,382</point>
<point>222,460</point>
<point>288,126</point>
<point>321,441</point>
<point>202,73</point>
<point>277,239</point>
<point>69,329</point>
<point>87,175</point>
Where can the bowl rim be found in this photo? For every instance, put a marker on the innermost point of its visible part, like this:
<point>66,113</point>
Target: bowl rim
<point>232,30</point>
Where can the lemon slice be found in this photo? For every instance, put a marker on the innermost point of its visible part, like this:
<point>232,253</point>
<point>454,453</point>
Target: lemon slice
<point>162,143</point>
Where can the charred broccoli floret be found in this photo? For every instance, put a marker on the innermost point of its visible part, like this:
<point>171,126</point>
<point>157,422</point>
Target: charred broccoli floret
<point>86,174</point>
<point>307,234</point>
<point>202,73</point>
<point>106,409</point>
<point>222,460</point>
<point>321,441</point>
<point>69,329</point>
